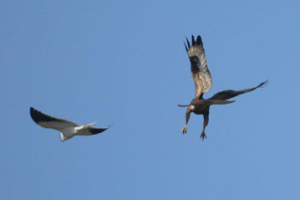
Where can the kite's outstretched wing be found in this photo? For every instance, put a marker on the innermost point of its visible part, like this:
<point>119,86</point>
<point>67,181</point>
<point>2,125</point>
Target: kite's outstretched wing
<point>48,121</point>
<point>200,72</point>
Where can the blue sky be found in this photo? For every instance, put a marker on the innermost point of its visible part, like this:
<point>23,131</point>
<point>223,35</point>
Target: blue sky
<point>124,63</point>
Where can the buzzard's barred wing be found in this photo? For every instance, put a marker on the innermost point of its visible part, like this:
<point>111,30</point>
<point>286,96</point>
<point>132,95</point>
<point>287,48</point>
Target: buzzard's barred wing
<point>200,72</point>
<point>47,121</point>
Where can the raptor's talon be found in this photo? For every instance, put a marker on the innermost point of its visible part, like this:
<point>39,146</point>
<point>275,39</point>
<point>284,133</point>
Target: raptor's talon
<point>184,130</point>
<point>203,136</point>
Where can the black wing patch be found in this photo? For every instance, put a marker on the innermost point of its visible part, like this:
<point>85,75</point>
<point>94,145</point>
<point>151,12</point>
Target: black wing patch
<point>95,131</point>
<point>39,117</point>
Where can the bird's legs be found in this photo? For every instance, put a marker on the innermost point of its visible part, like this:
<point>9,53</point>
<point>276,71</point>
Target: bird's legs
<point>187,117</point>
<point>205,123</point>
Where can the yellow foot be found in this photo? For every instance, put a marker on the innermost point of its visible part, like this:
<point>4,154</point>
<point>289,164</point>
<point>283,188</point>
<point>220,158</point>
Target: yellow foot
<point>184,130</point>
<point>203,136</point>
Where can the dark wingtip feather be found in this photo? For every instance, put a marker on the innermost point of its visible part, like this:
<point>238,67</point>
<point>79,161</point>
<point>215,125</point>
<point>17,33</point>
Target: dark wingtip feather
<point>199,40</point>
<point>186,48</point>
<point>35,115</point>
<point>193,40</point>
<point>188,42</point>
<point>95,131</point>
<point>263,84</point>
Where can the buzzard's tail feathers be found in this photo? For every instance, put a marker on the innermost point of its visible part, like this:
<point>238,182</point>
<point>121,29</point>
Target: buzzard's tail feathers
<point>180,105</point>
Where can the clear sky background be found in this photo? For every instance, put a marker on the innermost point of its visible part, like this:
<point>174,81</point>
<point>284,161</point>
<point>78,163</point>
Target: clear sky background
<point>124,63</point>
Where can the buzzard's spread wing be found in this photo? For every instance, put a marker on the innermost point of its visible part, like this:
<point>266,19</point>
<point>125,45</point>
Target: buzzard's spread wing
<point>228,94</point>
<point>200,72</point>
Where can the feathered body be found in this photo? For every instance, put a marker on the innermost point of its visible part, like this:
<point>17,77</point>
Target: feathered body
<point>67,128</point>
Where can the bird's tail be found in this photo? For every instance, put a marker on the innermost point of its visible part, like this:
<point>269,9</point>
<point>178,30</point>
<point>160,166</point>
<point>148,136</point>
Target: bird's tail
<point>180,105</point>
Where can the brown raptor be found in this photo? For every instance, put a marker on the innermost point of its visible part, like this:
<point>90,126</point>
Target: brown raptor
<point>203,82</point>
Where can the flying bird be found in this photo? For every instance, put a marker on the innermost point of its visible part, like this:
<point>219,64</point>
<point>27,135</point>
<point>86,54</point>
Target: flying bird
<point>203,82</point>
<point>68,129</point>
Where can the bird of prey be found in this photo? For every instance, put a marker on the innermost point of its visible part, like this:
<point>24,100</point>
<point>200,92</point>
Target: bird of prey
<point>68,129</point>
<point>203,82</point>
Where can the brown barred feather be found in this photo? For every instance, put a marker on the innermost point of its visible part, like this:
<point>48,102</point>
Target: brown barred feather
<point>200,72</point>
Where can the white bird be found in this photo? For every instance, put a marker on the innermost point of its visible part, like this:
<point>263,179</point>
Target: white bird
<point>68,129</point>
